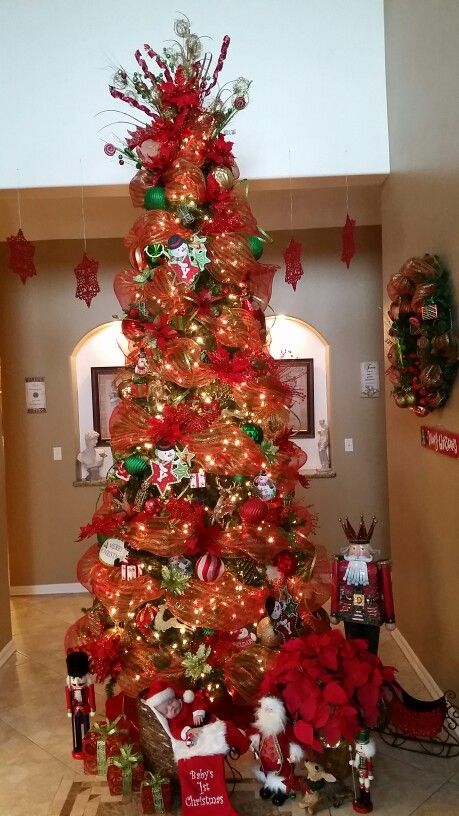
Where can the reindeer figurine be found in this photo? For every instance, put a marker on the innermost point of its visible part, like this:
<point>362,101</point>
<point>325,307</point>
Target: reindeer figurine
<point>316,778</point>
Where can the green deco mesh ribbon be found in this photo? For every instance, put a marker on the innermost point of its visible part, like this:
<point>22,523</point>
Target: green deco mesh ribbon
<point>104,730</point>
<point>126,760</point>
<point>155,781</point>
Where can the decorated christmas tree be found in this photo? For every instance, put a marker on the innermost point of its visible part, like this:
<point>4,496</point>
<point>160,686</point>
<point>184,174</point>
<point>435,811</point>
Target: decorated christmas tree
<point>203,562</point>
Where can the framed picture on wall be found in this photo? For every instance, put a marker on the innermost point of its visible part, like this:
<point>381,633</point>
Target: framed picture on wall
<point>104,399</point>
<point>300,375</point>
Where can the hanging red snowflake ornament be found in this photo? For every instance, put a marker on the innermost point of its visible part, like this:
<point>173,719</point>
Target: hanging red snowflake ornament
<point>21,256</point>
<point>87,283</point>
<point>348,241</point>
<point>293,269</point>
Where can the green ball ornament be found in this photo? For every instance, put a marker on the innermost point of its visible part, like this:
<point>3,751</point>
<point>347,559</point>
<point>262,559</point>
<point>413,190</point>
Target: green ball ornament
<point>135,465</point>
<point>254,431</point>
<point>256,246</point>
<point>155,198</point>
<point>239,479</point>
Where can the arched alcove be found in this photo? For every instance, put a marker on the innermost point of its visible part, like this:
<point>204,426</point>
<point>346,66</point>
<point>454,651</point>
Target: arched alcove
<point>294,339</point>
<point>100,347</point>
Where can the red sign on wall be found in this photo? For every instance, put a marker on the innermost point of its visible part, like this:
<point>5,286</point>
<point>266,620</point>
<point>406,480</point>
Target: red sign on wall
<point>440,441</point>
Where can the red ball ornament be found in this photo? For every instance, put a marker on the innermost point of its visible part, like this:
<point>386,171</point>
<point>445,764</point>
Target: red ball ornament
<point>285,562</point>
<point>253,511</point>
<point>209,568</point>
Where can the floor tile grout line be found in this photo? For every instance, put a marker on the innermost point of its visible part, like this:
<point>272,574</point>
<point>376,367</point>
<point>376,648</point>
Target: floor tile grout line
<point>36,744</point>
<point>424,802</point>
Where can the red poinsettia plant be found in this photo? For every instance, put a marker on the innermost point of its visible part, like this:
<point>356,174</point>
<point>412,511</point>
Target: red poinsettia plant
<point>330,686</point>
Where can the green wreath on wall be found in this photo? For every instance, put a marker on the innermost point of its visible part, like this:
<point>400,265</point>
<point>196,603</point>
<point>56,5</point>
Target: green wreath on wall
<point>423,353</point>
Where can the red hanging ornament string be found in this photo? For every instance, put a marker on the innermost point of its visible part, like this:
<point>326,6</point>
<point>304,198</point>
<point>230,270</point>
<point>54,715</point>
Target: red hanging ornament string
<point>292,255</point>
<point>348,235</point>
<point>21,251</point>
<point>86,271</point>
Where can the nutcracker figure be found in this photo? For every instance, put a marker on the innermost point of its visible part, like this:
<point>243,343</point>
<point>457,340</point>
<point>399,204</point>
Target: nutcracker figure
<point>80,697</point>
<point>363,764</point>
<point>361,587</point>
<point>274,747</point>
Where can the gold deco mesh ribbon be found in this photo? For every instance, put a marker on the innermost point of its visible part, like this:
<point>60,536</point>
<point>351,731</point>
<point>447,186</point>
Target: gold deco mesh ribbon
<point>185,182</point>
<point>182,364</point>
<point>230,257</point>
<point>225,604</point>
<point>243,672</point>
<point>154,227</point>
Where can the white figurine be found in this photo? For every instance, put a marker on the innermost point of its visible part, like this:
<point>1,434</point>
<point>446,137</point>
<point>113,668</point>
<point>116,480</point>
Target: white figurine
<point>323,445</point>
<point>90,457</point>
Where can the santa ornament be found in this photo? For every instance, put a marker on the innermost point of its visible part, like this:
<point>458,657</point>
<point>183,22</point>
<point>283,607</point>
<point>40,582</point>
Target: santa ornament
<point>274,747</point>
<point>199,743</point>
<point>80,698</point>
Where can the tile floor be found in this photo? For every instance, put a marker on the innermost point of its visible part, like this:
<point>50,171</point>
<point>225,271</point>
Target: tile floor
<point>38,777</point>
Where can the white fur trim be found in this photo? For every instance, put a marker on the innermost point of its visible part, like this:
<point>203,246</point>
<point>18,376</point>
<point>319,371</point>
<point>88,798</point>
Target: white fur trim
<point>198,713</point>
<point>271,780</point>
<point>295,752</point>
<point>161,697</point>
<point>210,740</point>
<point>184,732</point>
<point>188,696</point>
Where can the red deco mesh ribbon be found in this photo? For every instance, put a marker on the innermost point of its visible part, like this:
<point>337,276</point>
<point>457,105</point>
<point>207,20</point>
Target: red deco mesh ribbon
<point>236,328</point>
<point>21,256</point>
<point>261,542</point>
<point>87,283</point>
<point>182,364</point>
<point>185,181</point>
<point>160,535</point>
<point>88,627</point>
<point>155,227</point>
<point>219,606</point>
<point>293,267</point>
<point>139,669</point>
<point>225,449</point>
<point>243,672</point>
<point>140,184</point>
<point>231,258</point>
<point>312,593</point>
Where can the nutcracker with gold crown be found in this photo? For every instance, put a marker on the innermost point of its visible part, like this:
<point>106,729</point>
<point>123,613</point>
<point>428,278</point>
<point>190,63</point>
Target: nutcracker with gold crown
<point>361,587</point>
<point>80,698</point>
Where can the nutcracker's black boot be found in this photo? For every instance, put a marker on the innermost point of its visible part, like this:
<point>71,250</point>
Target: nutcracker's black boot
<point>265,793</point>
<point>279,798</point>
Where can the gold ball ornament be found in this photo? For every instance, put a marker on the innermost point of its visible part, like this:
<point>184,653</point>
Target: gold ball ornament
<point>400,400</point>
<point>224,177</point>
<point>266,634</point>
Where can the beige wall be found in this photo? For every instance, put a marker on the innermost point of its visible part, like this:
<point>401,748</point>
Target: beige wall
<point>345,307</point>
<point>420,214</point>
<point>42,323</point>
<point>5,617</point>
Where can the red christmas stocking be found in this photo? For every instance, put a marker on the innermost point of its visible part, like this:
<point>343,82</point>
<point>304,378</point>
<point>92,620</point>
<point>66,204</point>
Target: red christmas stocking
<point>202,780</point>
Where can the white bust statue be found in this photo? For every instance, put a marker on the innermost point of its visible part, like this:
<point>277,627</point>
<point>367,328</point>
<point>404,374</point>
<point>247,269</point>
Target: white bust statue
<point>323,445</point>
<point>90,457</point>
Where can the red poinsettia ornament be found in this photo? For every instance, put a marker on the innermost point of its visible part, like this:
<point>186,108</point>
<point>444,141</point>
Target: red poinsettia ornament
<point>87,283</point>
<point>293,268</point>
<point>21,256</point>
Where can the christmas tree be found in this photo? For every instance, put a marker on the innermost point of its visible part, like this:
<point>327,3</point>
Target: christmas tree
<point>202,563</point>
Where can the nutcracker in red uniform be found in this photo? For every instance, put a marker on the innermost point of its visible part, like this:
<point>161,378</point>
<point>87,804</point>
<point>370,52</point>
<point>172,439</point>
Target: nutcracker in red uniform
<point>199,742</point>
<point>361,587</point>
<point>363,764</point>
<point>273,745</point>
<point>80,697</point>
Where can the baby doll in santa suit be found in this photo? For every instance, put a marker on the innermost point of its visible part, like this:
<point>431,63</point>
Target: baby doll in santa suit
<point>188,715</point>
<point>199,742</point>
<point>272,743</point>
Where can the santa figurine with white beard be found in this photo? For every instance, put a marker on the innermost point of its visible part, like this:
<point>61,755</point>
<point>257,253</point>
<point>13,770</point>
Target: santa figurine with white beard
<point>272,742</point>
